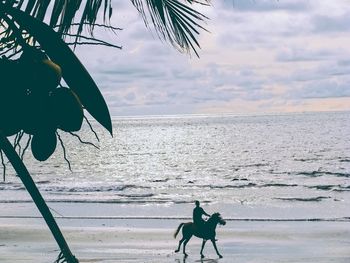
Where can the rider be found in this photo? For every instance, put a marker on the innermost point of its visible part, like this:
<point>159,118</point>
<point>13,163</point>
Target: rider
<point>197,215</point>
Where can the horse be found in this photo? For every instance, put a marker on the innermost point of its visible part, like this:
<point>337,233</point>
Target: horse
<point>207,233</point>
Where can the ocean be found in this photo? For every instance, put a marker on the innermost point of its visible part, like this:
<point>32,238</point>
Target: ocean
<point>267,167</point>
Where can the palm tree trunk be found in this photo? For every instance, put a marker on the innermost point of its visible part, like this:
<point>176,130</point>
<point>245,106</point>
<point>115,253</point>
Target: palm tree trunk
<point>29,184</point>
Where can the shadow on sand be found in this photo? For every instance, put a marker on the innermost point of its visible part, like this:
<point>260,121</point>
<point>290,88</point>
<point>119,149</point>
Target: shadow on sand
<point>203,260</point>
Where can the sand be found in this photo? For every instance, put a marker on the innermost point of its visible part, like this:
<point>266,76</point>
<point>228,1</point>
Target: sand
<point>141,240</point>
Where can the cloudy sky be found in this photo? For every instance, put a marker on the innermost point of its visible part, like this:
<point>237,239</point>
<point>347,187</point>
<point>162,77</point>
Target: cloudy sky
<point>261,56</point>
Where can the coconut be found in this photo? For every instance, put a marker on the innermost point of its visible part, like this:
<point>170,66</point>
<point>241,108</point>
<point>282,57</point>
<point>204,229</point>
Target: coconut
<point>68,109</point>
<point>43,145</point>
<point>51,73</point>
<point>41,72</point>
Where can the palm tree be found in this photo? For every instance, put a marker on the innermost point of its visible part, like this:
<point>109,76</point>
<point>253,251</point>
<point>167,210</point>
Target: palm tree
<point>32,39</point>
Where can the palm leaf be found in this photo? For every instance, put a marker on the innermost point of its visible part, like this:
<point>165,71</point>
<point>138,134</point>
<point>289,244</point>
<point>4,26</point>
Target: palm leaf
<point>174,21</point>
<point>74,73</point>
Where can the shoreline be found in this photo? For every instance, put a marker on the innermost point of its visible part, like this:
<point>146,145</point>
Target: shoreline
<point>315,219</point>
<point>122,240</point>
<point>230,212</point>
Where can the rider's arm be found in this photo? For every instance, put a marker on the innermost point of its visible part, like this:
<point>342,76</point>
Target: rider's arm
<point>204,213</point>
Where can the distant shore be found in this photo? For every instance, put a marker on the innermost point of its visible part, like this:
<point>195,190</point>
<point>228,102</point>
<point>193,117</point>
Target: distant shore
<point>141,240</point>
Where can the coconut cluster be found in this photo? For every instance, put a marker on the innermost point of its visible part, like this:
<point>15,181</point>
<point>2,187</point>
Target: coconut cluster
<point>32,100</point>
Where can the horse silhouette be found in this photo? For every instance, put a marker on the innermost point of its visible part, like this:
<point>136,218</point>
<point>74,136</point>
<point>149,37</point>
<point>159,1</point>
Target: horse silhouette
<point>207,232</point>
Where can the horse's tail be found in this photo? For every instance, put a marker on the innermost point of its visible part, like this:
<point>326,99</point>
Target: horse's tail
<point>178,229</point>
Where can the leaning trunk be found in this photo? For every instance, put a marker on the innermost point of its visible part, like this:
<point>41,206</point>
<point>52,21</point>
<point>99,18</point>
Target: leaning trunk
<point>65,255</point>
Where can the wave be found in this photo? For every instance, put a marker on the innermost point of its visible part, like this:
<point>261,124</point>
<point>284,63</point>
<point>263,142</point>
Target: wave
<point>85,189</point>
<point>136,195</point>
<point>278,185</point>
<point>342,188</point>
<point>320,173</point>
<point>42,185</point>
<point>300,199</point>
<point>129,199</point>
<point>330,187</point>
<point>251,165</point>
<point>43,182</point>
<point>239,179</point>
<point>322,187</point>
<point>11,186</point>
<point>121,189</point>
<point>337,187</point>
<point>306,159</point>
<point>150,198</point>
<point>160,180</point>
<point>321,219</point>
<point>231,186</point>
<point>93,201</point>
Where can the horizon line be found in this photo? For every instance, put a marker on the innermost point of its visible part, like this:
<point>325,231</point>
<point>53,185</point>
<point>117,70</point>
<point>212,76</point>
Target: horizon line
<point>223,114</point>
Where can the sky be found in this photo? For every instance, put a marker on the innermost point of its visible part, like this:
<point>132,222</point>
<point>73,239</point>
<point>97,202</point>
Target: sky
<point>259,56</point>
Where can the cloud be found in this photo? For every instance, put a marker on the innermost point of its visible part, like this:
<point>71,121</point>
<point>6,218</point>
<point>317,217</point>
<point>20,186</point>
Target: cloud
<point>268,5</point>
<point>263,55</point>
<point>293,54</point>
<point>328,88</point>
<point>331,24</point>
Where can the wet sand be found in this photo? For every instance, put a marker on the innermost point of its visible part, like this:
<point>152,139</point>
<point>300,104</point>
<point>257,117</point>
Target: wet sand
<point>27,240</point>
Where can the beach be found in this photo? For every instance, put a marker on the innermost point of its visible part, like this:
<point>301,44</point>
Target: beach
<point>238,242</point>
<point>137,239</point>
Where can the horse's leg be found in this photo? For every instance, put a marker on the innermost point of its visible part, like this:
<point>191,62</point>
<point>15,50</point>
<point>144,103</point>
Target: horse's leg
<point>180,242</point>
<point>184,246</point>
<point>216,249</point>
<point>203,243</point>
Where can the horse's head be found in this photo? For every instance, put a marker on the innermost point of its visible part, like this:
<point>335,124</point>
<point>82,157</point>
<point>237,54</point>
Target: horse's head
<point>216,217</point>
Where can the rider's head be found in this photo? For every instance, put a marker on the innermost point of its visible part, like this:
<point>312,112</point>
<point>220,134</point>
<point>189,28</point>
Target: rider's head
<point>197,203</point>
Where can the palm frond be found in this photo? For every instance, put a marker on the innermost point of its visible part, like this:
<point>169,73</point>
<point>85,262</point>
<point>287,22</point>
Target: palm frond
<point>62,14</point>
<point>174,21</point>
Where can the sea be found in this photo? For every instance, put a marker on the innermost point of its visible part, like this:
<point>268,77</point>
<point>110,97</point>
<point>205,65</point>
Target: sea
<point>293,166</point>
